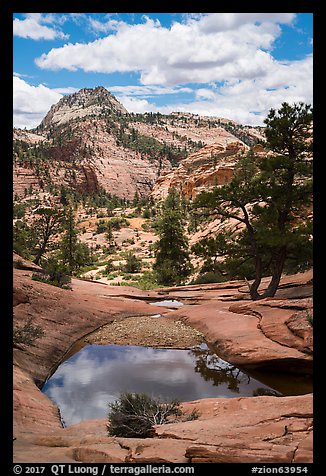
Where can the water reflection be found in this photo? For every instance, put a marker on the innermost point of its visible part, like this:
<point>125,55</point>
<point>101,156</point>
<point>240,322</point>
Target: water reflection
<point>96,375</point>
<point>168,303</point>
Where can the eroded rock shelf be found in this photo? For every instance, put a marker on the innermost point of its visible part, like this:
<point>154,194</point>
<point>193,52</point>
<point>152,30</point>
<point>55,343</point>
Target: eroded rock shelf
<point>271,334</point>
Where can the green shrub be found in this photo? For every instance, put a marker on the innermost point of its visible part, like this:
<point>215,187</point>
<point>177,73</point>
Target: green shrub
<point>19,264</point>
<point>109,267</point>
<point>133,264</point>
<point>167,273</point>
<point>19,210</point>
<point>147,281</point>
<point>27,333</point>
<point>134,414</point>
<point>54,273</point>
<point>24,239</point>
<point>101,226</point>
<point>209,277</point>
<point>117,223</point>
<point>310,318</point>
<point>146,213</point>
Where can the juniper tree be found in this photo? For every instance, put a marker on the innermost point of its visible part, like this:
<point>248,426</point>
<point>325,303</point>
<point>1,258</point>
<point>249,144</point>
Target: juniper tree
<point>271,198</point>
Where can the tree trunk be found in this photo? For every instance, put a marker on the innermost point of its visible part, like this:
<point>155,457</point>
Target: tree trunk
<point>253,288</point>
<point>39,254</point>
<point>275,279</point>
<point>277,273</point>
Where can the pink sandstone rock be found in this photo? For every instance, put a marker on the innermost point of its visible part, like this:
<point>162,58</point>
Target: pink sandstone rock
<point>245,429</point>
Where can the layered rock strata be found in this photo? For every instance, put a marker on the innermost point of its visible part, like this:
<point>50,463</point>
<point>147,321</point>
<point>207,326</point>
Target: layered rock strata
<point>209,167</point>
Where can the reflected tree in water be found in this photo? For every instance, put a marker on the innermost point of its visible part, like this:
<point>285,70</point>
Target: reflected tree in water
<point>214,369</point>
<point>218,372</point>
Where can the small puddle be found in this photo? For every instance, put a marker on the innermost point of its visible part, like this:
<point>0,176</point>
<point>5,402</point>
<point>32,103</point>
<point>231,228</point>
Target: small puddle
<point>83,385</point>
<point>168,303</point>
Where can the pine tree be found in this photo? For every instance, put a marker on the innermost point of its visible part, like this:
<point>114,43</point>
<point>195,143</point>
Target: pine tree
<point>109,234</point>
<point>172,264</point>
<point>74,254</point>
<point>271,198</point>
<point>47,224</point>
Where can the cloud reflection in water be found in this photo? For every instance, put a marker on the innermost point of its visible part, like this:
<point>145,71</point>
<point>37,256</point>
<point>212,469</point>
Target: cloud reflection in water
<point>83,386</point>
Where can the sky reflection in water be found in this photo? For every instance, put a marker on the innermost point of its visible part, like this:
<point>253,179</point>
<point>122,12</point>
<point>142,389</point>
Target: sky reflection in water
<point>83,385</point>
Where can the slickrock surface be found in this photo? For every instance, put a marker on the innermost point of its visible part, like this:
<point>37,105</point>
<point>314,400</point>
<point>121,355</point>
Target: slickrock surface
<point>262,429</point>
<point>248,429</point>
<point>266,334</point>
<point>245,429</point>
<point>65,316</point>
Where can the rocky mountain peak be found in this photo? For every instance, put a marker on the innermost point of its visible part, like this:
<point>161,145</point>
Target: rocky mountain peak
<point>85,102</point>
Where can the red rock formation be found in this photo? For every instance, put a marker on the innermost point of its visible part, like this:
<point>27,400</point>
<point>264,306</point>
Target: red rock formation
<point>247,429</point>
<point>210,166</point>
<point>257,335</point>
<point>83,129</point>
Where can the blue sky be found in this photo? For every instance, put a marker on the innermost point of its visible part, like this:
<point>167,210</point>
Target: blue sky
<point>234,65</point>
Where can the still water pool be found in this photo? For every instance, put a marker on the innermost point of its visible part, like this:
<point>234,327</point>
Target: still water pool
<point>168,303</point>
<point>83,385</point>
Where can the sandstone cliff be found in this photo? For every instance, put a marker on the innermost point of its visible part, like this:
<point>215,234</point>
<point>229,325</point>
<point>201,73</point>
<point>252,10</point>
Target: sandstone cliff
<point>210,166</point>
<point>88,141</point>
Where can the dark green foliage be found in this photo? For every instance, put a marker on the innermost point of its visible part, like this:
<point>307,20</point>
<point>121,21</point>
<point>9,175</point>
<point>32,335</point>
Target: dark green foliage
<point>24,239</point>
<point>63,196</point>
<point>148,145</point>
<point>47,224</point>
<point>146,213</point>
<point>116,223</point>
<point>33,241</point>
<point>237,131</point>
<point>101,226</point>
<point>133,264</point>
<point>109,267</point>
<point>211,249</point>
<point>271,198</point>
<point>134,414</point>
<point>310,318</point>
<point>19,210</point>
<point>172,264</point>
<point>109,235</point>
<point>27,333</point>
<point>54,273</point>
<point>73,253</point>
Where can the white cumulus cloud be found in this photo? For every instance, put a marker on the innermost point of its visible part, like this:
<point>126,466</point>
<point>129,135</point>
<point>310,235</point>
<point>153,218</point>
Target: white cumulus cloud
<point>213,47</point>
<point>35,27</point>
<point>31,103</point>
<point>225,60</point>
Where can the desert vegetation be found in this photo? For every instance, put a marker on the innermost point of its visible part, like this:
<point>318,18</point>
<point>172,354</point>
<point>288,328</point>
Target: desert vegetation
<point>134,415</point>
<point>27,333</point>
<point>261,218</point>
